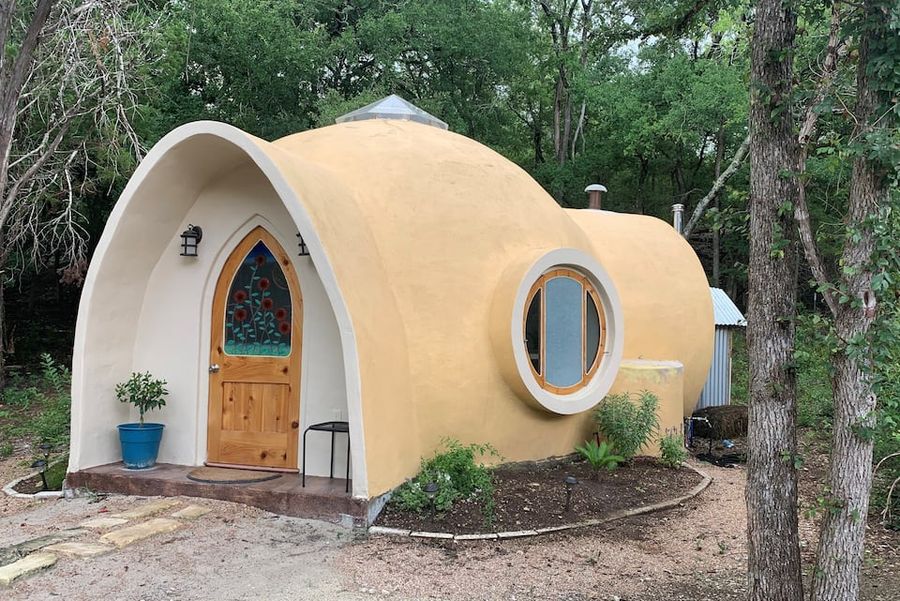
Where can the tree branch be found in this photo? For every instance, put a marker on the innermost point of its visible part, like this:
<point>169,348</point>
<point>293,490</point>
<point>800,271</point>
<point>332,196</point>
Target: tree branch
<point>7,10</point>
<point>717,185</point>
<point>12,84</point>
<point>836,48</point>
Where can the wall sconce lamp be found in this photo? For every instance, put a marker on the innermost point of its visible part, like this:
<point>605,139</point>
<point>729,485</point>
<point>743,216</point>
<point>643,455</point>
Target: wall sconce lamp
<point>190,238</point>
<point>304,251</point>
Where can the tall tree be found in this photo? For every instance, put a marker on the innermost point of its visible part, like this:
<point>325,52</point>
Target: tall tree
<point>852,301</point>
<point>773,541</point>
<point>66,70</point>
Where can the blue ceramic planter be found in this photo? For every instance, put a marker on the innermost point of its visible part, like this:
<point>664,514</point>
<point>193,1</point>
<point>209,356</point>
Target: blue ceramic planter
<point>140,444</point>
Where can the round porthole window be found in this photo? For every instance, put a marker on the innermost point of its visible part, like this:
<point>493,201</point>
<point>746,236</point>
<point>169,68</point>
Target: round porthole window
<point>567,331</point>
<point>564,330</point>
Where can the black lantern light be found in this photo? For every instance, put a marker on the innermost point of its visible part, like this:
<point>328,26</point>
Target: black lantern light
<point>570,482</point>
<point>304,251</point>
<point>431,490</point>
<point>190,238</point>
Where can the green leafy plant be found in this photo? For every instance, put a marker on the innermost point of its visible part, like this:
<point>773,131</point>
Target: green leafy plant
<point>599,456</point>
<point>457,474</point>
<point>142,391</point>
<point>628,424</point>
<point>671,450</point>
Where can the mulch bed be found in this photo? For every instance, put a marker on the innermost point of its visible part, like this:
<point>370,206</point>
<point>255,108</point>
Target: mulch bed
<point>532,495</point>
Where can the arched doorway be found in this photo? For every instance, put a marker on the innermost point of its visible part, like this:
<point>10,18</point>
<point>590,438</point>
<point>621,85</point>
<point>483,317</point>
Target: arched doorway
<point>254,361</point>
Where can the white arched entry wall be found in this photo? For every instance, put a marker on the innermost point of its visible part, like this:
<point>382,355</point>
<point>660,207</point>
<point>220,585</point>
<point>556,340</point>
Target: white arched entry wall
<point>215,176</point>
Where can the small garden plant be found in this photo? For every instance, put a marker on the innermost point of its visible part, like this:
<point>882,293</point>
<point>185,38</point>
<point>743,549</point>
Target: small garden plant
<point>671,450</point>
<point>599,456</point>
<point>626,424</point>
<point>143,391</point>
<point>458,475</point>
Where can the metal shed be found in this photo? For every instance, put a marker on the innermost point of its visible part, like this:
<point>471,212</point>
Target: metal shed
<point>717,390</point>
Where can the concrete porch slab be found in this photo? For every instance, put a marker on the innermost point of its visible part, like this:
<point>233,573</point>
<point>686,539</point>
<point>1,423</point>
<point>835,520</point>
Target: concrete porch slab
<point>322,498</point>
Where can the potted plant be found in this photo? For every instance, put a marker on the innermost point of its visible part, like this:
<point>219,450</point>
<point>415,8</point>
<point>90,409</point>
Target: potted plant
<point>140,441</point>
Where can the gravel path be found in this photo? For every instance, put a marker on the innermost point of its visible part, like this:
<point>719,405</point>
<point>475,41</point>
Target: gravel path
<point>694,553</point>
<point>696,549</point>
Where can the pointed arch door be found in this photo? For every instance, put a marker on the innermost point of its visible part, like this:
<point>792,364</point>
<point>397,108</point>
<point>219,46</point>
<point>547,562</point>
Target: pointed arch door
<point>254,360</point>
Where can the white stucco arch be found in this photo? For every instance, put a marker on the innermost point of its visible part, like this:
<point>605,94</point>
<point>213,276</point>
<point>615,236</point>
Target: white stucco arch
<point>138,232</point>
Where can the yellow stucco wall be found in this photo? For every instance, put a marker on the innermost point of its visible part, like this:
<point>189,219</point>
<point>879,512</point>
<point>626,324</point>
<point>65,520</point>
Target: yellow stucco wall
<point>663,289</point>
<point>420,225</point>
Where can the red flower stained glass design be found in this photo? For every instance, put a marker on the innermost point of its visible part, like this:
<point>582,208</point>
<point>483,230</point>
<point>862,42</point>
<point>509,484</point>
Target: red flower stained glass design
<point>252,328</point>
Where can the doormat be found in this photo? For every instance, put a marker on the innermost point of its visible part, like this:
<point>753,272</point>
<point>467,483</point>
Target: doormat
<point>224,475</point>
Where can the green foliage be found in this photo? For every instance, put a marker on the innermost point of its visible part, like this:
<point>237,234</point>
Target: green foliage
<point>40,406</point>
<point>56,473</point>
<point>142,391</point>
<point>671,450</point>
<point>599,456</point>
<point>628,422</point>
<point>740,368</point>
<point>458,474</point>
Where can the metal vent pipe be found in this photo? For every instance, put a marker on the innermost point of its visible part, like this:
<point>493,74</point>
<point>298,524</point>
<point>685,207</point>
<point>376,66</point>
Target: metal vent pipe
<point>678,217</point>
<point>594,191</point>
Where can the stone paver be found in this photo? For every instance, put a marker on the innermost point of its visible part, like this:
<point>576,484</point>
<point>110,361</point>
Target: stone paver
<point>132,534</point>
<point>103,522</point>
<point>152,508</point>
<point>15,552</point>
<point>75,549</point>
<point>25,566</point>
<point>191,512</point>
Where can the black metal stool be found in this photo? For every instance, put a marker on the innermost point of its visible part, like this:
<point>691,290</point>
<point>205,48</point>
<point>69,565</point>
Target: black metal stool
<point>334,428</point>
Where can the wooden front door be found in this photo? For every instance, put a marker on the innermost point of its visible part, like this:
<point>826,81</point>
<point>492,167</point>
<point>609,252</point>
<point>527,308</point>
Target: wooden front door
<point>254,359</point>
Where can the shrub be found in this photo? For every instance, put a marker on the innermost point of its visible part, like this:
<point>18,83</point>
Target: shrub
<point>458,476</point>
<point>142,391</point>
<point>628,425</point>
<point>51,425</point>
<point>671,450</point>
<point>599,456</point>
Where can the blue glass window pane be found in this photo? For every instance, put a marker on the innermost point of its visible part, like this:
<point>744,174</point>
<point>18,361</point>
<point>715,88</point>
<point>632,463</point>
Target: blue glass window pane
<point>563,332</point>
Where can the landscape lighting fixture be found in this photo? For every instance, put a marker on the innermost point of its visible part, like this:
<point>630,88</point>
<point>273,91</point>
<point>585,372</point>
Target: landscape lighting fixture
<point>570,482</point>
<point>431,490</point>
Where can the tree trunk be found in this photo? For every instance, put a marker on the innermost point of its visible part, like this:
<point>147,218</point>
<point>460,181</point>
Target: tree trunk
<point>842,537</point>
<point>773,542</point>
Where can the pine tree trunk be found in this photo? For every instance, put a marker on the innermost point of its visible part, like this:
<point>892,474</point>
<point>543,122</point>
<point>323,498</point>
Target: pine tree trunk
<point>842,537</point>
<point>771,495</point>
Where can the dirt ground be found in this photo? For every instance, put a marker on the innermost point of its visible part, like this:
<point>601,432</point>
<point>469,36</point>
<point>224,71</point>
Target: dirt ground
<point>531,495</point>
<point>692,553</point>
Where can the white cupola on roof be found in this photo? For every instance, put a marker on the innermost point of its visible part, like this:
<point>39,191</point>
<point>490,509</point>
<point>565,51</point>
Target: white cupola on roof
<point>392,107</point>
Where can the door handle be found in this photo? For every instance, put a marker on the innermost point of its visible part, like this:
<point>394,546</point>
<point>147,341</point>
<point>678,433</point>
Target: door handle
<point>214,368</point>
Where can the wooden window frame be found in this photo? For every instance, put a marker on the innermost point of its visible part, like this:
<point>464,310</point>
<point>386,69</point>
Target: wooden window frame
<point>587,289</point>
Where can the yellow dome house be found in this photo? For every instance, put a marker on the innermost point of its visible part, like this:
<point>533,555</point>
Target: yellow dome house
<point>382,277</point>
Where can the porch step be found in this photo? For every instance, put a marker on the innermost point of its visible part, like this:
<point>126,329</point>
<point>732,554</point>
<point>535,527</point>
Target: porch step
<point>322,498</point>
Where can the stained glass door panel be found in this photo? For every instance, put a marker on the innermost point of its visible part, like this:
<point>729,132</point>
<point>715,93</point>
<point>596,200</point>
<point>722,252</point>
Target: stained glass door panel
<point>258,312</point>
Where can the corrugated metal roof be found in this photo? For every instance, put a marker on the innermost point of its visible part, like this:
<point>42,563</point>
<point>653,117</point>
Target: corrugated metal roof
<point>725,311</point>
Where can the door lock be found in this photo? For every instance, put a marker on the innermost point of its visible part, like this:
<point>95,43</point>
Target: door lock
<point>214,368</point>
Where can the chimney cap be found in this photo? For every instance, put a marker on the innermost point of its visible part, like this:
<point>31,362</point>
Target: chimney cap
<point>595,188</point>
<point>678,207</point>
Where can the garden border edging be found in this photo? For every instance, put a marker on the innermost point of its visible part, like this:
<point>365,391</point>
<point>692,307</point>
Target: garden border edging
<point>618,515</point>
<point>10,490</point>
